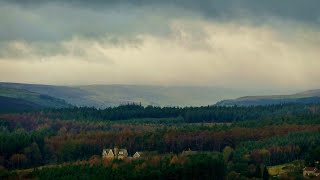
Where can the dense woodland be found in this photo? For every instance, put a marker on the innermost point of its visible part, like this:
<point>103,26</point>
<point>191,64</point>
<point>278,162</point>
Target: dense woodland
<point>232,142</point>
<point>189,114</point>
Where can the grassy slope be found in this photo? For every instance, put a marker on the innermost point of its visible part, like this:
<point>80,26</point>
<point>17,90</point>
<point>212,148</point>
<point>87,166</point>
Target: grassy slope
<point>286,168</point>
<point>71,95</point>
<point>8,104</point>
<point>19,98</point>
<point>279,169</point>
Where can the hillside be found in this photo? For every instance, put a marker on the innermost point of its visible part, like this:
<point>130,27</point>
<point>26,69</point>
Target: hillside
<point>74,96</point>
<point>114,95</point>
<point>102,96</point>
<point>19,99</point>
<point>8,104</point>
<point>306,97</point>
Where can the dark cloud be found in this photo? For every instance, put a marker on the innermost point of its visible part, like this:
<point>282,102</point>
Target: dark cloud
<point>56,20</point>
<point>303,10</point>
<point>121,22</point>
<point>57,23</point>
<point>221,42</point>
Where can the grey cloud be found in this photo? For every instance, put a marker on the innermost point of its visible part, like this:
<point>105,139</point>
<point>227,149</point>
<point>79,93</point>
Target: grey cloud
<point>85,50</point>
<point>305,10</point>
<point>121,22</point>
<point>21,50</point>
<point>56,20</point>
<point>56,23</point>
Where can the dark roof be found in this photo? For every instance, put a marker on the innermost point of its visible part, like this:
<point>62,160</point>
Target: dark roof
<point>309,168</point>
<point>317,171</point>
<point>188,152</point>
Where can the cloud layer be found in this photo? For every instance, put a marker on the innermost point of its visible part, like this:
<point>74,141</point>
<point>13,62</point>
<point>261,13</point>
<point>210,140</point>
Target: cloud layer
<point>230,43</point>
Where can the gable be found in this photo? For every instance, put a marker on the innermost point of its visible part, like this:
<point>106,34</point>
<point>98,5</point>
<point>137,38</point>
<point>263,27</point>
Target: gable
<point>310,169</point>
<point>110,153</point>
<point>136,155</point>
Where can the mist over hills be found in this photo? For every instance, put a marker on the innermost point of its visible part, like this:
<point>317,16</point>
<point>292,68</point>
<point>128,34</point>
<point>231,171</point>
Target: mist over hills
<point>306,97</point>
<point>102,96</point>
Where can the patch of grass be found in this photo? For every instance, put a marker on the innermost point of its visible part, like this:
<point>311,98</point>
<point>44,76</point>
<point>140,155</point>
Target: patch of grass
<point>295,166</point>
<point>276,170</point>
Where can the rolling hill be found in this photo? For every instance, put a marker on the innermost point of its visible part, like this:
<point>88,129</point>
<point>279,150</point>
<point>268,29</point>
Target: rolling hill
<point>20,99</point>
<point>306,97</point>
<point>113,95</point>
<point>8,104</point>
<point>102,96</point>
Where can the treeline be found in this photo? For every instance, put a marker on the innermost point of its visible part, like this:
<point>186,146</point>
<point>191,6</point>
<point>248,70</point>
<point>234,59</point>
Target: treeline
<point>188,114</point>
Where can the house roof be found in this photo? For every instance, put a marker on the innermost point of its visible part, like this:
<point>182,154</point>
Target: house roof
<point>188,152</point>
<point>310,169</point>
<point>110,152</point>
<point>120,152</point>
<point>107,150</point>
<point>317,171</point>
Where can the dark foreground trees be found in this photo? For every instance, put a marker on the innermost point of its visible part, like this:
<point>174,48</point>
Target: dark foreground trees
<point>205,166</point>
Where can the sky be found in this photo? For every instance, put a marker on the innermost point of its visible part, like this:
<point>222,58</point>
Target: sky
<point>226,43</point>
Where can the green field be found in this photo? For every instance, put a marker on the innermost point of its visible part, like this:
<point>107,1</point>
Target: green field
<point>36,99</point>
<point>286,168</point>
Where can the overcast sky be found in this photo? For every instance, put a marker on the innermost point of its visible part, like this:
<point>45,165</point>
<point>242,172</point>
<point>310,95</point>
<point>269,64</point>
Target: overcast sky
<point>226,43</point>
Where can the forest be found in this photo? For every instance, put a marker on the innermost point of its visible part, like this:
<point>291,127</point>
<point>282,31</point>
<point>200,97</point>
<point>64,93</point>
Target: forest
<point>230,142</point>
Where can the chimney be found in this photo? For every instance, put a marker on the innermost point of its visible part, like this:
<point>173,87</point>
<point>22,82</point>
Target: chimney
<point>116,151</point>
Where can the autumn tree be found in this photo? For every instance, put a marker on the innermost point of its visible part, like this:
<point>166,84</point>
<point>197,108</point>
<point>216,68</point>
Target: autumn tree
<point>33,154</point>
<point>18,160</point>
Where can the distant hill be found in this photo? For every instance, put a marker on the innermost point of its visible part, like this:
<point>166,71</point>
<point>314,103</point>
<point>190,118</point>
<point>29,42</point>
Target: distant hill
<point>8,104</point>
<point>306,97</point>
<point>20,99</point>
<point>71,95</point>
<point>113,95</point>
<point>102,96</point>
